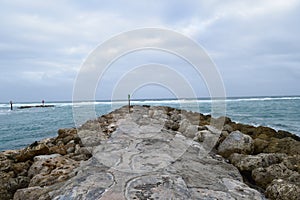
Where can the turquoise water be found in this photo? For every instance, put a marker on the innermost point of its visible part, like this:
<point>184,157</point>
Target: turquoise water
<point>21,127</point>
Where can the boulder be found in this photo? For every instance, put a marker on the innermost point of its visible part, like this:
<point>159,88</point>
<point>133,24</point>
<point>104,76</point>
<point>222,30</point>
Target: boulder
<point>244,128</point>
<point>45,157</point>
<point>31,151</point>
<point>91,137</point>
<point>16,183</point>
<point>251,162</point>
<point>183,125</point>
<point>21,168</point>
<point>260,145</point>
<point>58,149</point>
<point>264,176</point>
<point>5,192</point>
<point>221,138</point>
<point>170,124</point>
<point>282,190</point>
<point>52,170</point>
<point>283,134</point>
<point>265,130</point>
<point>201,136</point>
<point>32,193</point>
<point>285,145</point>
<point>191,131</point>
<point>292,162</point>
<point>5,163</point>
<point>236,142</point>
<point>63,133</point>
<point>227,128</point>
<point>207,139</point>
<point>239,190</point>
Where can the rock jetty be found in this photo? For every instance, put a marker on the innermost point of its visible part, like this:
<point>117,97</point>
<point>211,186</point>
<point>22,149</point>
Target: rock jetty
<point>155,153</point>
<point>37,106</point>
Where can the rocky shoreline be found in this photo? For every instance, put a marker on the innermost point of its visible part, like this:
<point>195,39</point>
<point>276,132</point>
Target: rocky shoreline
<point>155,153</point>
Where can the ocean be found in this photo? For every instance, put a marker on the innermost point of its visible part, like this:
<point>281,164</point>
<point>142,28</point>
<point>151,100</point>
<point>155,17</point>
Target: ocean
<point>21,127</point>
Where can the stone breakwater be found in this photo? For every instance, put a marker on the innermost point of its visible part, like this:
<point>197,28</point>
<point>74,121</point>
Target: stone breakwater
<point>155,153</point>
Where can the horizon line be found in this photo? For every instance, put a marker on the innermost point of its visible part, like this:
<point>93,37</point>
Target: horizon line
<point>143,99</point>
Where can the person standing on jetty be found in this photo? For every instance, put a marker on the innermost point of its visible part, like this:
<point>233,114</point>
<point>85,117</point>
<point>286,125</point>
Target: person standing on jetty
<point>11,105</point>
<point>43,102</point>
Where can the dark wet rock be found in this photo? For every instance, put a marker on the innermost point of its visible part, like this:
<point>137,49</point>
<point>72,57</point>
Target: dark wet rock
<point>285,145</point>
<point>283,134</point>
<point>257,132</point>
<point>260,145</point>
<point>236,142</point>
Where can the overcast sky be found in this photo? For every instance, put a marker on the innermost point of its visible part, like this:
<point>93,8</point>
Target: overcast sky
<point>255,44</point>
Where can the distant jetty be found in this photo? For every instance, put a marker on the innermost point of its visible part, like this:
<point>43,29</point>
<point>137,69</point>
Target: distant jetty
<point>37,106</point>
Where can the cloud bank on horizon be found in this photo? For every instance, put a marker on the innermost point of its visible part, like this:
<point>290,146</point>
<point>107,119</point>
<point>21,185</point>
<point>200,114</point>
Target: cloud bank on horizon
<point>254,44</point>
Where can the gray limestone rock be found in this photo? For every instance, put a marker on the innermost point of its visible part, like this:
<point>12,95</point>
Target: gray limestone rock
<point>236,142</point>
<point>32,193</point>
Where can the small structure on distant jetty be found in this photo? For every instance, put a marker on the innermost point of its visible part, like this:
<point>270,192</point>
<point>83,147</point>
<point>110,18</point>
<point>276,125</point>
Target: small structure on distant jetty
<point>11,105</point>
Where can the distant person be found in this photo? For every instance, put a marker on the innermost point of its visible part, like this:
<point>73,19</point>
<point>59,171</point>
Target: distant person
<point>43,103</point>
<point>11,105</point>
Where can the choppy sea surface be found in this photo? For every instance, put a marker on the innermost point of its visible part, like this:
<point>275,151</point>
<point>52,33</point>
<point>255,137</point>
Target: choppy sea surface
<point>21,127</point>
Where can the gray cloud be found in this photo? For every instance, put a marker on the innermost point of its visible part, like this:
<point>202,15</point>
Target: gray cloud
<point>43,43</point>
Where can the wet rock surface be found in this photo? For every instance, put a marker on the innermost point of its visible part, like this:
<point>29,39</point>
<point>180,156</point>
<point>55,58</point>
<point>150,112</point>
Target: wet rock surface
<point>155,153</point>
